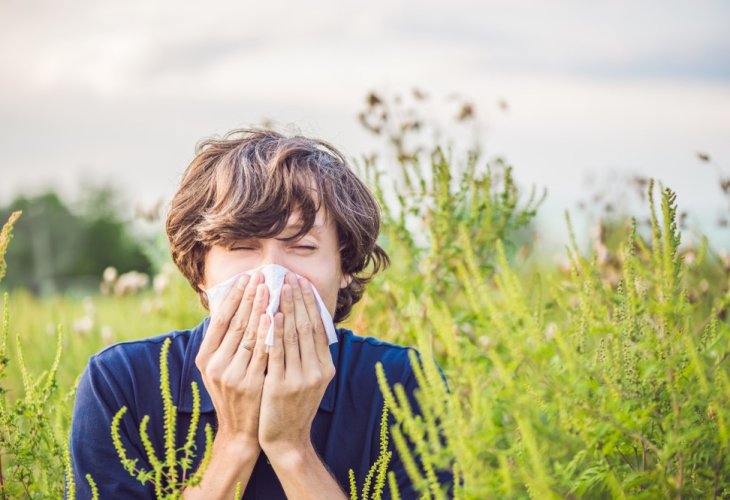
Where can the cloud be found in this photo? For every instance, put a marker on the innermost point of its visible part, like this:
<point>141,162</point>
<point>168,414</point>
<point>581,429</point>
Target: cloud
<point>184,57</point>
<point>648,39</point>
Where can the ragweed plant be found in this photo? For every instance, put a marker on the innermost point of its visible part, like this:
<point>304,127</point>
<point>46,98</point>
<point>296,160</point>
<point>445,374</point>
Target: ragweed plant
<point>164,473</point>
<point>378,473</point>
<point>572,387</point>
<point>430,196</point>
<point>31,426</point>
<point>5,236</point>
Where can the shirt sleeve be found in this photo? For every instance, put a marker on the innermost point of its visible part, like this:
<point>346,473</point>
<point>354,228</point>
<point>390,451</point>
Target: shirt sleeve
<point>98,397</point>
<point>405,485</point>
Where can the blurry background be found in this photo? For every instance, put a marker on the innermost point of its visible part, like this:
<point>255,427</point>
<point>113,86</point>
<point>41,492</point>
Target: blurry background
<point>102,103</point>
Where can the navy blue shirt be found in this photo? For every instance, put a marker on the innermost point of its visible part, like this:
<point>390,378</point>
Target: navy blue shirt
<point>345,430</point>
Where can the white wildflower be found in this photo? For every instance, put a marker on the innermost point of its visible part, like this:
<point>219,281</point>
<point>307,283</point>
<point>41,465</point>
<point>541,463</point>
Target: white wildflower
<point>107,334</point>
<point>83,325</point>
<point>110,274</point>
<point>130,283</point>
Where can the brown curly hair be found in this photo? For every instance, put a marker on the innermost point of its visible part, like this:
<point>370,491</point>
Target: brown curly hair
<point>249,182</point>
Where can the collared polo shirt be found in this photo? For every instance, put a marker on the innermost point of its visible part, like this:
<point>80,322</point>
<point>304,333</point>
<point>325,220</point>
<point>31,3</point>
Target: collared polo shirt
<point>345,431</point>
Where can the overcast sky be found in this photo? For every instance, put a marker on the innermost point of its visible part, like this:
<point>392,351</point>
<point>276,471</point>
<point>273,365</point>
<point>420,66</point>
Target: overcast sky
<point>123,90</point>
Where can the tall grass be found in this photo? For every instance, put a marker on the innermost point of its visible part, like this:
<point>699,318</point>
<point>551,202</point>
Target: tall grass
<point>565,385</point>
<point>33,456</point>
<point>607,379</point>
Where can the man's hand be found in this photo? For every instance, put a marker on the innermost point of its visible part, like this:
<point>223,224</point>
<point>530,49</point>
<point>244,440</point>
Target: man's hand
<point>299,370</point>
<point>300,367</point>
<point>232,360</point>
<point>275,411</point>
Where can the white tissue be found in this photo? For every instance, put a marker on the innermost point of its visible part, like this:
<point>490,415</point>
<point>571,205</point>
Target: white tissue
<point>274,279</point>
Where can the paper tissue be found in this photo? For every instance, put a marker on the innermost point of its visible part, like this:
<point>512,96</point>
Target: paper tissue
<point>274,279</point>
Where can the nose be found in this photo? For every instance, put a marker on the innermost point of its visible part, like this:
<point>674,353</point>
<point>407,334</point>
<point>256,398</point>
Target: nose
<point>273,254</point>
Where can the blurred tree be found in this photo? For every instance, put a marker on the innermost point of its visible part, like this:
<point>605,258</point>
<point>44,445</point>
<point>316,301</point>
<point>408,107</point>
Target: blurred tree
<point>59,249</point>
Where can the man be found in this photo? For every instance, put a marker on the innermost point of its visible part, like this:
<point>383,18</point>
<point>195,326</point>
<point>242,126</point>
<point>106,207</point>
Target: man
<point>291,419</point>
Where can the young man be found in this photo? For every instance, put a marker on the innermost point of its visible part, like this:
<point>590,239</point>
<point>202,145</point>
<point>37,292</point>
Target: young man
<point>291,417</point>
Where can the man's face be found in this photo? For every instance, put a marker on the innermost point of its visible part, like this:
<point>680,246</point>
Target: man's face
<point>314,256</point>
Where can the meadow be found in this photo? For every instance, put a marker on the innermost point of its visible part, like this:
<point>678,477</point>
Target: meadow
<point>605,377</point>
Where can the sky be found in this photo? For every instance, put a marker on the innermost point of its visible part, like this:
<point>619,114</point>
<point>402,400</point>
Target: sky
<point>596,91</point>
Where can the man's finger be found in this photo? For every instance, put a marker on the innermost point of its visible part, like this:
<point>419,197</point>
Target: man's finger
<point>292,358</point>
<point>221,319</point>
<point>240,323</point>
<point>321,343</point>
<point>303,322</point>
<point>260,357</point>
<point>276,351</point>
<point>260,302</point>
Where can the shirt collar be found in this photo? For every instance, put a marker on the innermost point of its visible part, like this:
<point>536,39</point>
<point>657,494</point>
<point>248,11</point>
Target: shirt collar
<point>191,373</point>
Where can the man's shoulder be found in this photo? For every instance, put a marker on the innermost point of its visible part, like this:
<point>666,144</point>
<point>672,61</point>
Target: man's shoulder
<point>140,347</point>
<point>374,344</point>
<point>130,371</point>
<point>365,352</point>
<point>133,355</point>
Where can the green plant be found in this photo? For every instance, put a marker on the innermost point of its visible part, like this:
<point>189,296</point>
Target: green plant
<point>164,474</point>
<point>31,426</point>
<point>378,472</point>
<point>572,387</point>
<point>5,236</point>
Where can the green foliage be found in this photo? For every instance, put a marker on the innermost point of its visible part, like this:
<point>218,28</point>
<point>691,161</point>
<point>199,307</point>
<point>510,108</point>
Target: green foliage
<point>32,426</point>
<point>110,318</point>
<point>164,474</point>
<point>378,470</point>
<point>94,488</point>
<point>5,236</point>
<point>569,386</point>
<point>59,249</point>
<point>608,379</point>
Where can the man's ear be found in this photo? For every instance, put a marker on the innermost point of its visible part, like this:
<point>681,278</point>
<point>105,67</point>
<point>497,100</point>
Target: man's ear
<point>345,280</point>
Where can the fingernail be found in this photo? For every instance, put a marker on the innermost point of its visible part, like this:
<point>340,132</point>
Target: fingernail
<point>241,283</point>
<point>304,283</point>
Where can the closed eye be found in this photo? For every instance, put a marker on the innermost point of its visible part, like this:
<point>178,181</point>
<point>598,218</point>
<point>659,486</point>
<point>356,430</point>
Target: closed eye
<point>303,247</point>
